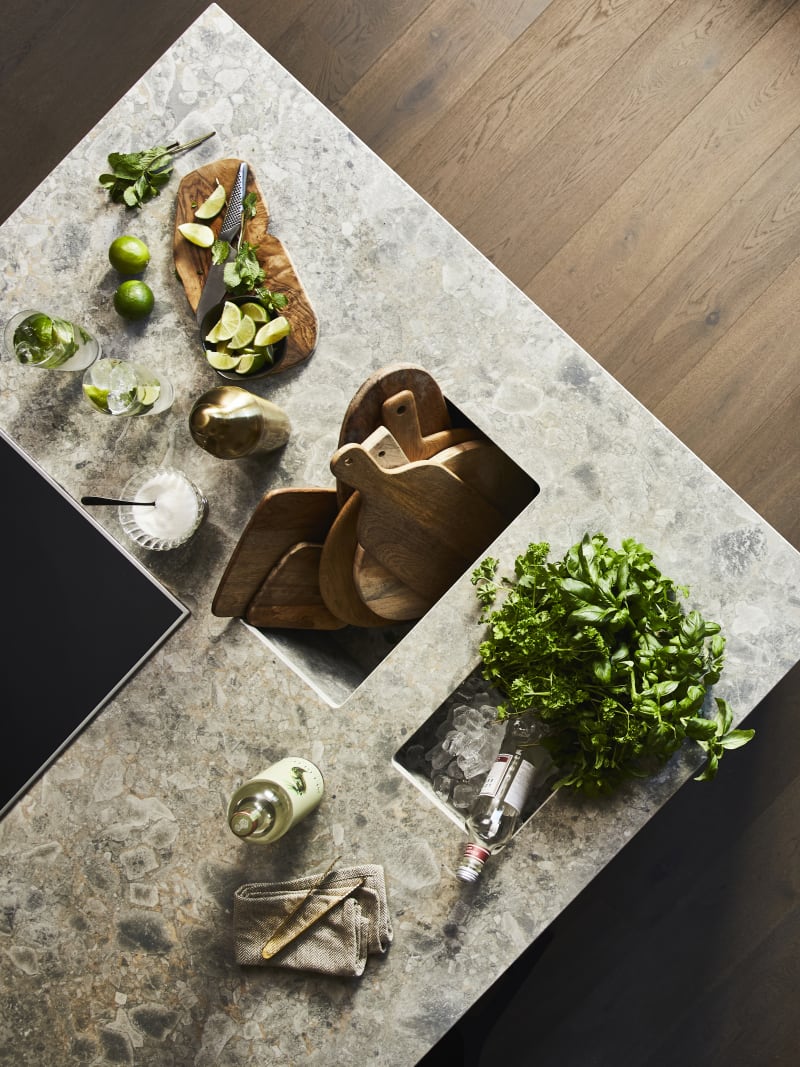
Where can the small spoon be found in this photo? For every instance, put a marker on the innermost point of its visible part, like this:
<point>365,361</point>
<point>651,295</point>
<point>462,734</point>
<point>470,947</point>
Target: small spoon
<point>109,500</point>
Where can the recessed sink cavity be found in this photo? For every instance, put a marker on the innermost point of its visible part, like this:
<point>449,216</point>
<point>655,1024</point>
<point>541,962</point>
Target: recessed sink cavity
<point>336,662</point>
<point>449,756</point>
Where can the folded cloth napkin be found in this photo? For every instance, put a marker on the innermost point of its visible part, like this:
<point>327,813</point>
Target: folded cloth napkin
<point>333,930</point>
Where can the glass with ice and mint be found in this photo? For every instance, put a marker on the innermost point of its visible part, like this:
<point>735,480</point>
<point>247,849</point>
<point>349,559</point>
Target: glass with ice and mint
<point>119,387</point>
<point>36,339</point>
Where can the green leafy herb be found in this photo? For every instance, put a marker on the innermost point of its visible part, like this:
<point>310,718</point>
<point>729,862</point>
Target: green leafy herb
<point>220,251</point>
<point>244,274</point>
<point>136,177</point>
<point>249,203</point>
<point>599,644</point>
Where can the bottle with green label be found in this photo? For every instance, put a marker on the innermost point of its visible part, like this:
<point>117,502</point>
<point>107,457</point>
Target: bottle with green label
<point>265,807</point>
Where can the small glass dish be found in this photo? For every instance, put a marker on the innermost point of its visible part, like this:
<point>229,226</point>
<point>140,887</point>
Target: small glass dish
<point>179,509</point>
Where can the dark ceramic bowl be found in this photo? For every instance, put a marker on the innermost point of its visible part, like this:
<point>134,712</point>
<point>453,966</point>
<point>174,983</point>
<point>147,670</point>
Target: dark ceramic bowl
<point>212,316</point>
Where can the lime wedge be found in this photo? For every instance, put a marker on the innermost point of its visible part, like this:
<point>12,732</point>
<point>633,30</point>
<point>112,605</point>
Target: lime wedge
<point>251,364</point>
<point>257,312</point>
<point>229,322</point>
<point>99,397</point>
<point>211,207</point>
<point>244,335</point>
<point>197,234</point>
<point>148,394</point>
<point>272,331</point>
<point>221,360</point>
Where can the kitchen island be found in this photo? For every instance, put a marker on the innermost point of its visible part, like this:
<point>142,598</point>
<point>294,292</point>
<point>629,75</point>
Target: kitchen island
<point>120,870</point>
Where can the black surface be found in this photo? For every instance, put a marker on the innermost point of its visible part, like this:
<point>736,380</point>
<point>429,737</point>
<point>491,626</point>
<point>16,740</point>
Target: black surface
<point>78,616</point>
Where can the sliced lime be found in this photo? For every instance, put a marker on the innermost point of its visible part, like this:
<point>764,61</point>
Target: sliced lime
<point>257,312</point>
<point>197,234</point>
<point>221,360</point>
<point>148,394</point>
<point>229,322</point>
<point>251,364</point>
<point>211,207</point>
<point>244,335</point>
<point>98,397</point>
<point>273,331</point>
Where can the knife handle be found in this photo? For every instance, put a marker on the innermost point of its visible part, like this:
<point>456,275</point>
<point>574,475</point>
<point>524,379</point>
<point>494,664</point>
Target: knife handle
<point>232,222</point>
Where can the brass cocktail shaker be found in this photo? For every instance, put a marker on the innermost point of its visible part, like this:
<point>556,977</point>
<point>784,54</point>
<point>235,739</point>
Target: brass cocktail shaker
<point>230,422</point>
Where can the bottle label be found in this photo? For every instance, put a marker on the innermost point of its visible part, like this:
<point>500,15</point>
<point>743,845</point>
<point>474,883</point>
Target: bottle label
<point>302,781</point>
<point>519,786</point>
<point>495,776</point>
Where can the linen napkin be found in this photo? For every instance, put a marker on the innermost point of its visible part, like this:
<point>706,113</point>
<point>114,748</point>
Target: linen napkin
<point>332,922</point>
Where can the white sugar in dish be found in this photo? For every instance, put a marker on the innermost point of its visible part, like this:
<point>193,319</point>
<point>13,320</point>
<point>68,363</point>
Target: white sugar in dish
<point>179,509</point>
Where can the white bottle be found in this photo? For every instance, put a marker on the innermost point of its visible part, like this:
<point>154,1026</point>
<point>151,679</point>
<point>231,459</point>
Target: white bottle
<point>266,806</point>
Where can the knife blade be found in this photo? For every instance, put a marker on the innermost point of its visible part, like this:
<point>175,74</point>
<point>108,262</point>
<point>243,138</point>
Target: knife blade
<point>214,288</point>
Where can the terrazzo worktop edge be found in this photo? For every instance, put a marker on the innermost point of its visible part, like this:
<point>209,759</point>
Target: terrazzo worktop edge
<point>117,867</point>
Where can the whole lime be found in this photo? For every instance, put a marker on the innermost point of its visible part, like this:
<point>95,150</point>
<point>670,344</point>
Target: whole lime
<point>128,255</point>
<point>133,300</point>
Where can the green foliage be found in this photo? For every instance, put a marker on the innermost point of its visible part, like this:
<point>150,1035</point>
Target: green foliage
<point>243,274</point>
<point>599,644</point>
<point>136,177</point>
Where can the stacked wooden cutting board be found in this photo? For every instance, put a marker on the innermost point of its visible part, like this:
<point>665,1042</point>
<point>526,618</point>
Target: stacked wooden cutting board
<point>416,502</point>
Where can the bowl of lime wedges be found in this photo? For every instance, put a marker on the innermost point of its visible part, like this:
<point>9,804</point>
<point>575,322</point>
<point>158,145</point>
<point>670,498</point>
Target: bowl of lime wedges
<point>243,338</point>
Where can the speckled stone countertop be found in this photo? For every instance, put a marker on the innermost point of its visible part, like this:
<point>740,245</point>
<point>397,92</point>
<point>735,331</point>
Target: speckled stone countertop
<point>117,867</point>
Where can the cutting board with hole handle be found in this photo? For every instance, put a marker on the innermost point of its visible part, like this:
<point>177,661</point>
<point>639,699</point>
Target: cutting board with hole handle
<point>400,415</point>
<point>282,518</point>
<point>381,591</point>
<point>364,413</point>
<point>419,521</point>
<point>192,262</point>
<point>290,597</point>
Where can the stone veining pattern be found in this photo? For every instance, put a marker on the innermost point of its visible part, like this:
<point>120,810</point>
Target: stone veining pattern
<point>118,870</point>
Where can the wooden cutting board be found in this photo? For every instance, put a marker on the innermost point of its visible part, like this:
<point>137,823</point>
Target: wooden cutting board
<point>364,413</point>
<point>419,521</point>
<point>488,469</point>
<point>289,597</point>
<point>336,580</point>
<point>401,417</point>
<point>383,592</point>
<point>192,263</point>
<point>283,518</point>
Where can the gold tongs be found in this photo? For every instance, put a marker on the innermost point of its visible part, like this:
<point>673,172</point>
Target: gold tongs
<point>280,938</point>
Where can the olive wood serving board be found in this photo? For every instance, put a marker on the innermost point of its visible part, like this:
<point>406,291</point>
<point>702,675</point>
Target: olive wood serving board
<point>282,518</point>
<point>289,597</point>
<point>336,580</point>
<point>192,263</point>
<point>419,521</point>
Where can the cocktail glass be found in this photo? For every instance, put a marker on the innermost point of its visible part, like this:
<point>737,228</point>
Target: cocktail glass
<point>36,339</point>
<point>119,387</point>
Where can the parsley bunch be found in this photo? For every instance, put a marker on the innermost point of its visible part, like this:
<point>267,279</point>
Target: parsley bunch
<point>599,644</point>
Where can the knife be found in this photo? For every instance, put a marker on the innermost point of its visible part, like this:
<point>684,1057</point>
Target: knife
<point>214,288</point>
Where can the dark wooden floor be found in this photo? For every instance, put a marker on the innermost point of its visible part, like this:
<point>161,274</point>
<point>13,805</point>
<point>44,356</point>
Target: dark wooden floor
<point>634,166</point>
